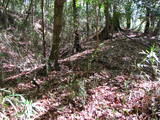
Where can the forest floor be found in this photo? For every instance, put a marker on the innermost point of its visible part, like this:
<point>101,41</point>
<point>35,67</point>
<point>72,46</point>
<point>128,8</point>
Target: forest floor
<point>101,83</point>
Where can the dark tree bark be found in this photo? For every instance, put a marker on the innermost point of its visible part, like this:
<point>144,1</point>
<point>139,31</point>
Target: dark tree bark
<point>105,32</point>
<point>87,18</point>
<point>146,30</point>
<point>43,34</point>
<point>1,74</point>
<point>76,47</point>
<point>106,19</point>
<point>57,28</point>
<point>116,22</point>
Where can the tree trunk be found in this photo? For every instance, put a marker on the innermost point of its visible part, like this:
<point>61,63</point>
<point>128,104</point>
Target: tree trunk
<point>28,14</point>
<point>146,31</point>
<point>116,22</point>
<point>76,47</point>
<point>128,13</point>
<point>152,21</point>
<point>87,18</point>
<point>97,23</point>
<point>1,74</point>
<point>157,29</point>
<point>43,34</point>
<point>106,19</point>
<point>57,28</point>
<point>128,23</point>
<point>105,32</point>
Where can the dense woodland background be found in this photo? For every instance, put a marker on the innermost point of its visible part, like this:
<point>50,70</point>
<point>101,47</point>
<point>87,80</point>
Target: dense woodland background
<point>79,59</point>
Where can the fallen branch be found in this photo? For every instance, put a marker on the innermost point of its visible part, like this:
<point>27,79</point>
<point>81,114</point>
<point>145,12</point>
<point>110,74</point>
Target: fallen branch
<point>24,73</point>
<point>66,61</point>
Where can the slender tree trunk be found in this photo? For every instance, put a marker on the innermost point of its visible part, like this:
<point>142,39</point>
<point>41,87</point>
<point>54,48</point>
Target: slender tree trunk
<point>1,74</point>
<point>128,23</point>
<point>28,13</point>
<point>107,19</point>
<point>57,28</point>
<point>146,31</point>
<point>152,16</point>
<point>128,13</point>
<point>97,23</point>
<point>87,17</point>
<point>76,47</point>
<point>152,21</point>
<point>43,34</point>
<point>157,29</point>
<point>32,13</point>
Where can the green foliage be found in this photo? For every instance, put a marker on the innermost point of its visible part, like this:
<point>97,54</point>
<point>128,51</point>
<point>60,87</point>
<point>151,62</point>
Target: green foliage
<point>22,108</point>
<point>151,56</point>
<point>150,61</point>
